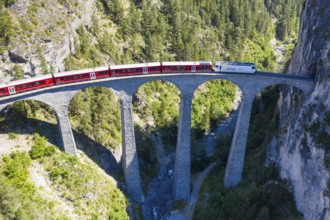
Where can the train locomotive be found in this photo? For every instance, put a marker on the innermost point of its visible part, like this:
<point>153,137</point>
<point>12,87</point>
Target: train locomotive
<point>34,83</point>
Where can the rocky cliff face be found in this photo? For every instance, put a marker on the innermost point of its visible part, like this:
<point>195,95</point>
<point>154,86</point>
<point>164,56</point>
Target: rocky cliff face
<point>45,34</point>
<point>303,143</point>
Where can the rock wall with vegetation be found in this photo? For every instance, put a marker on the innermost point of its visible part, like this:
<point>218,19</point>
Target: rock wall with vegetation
<point>301,148</point>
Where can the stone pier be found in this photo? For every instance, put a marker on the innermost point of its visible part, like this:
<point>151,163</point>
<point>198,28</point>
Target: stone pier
<point>181,185</point>
<point>66,139</point>
<point>130,160</point>
<point>235,163</point>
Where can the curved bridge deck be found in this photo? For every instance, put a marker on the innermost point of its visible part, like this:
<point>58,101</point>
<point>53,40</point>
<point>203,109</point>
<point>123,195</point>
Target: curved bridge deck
<point>59,97</point>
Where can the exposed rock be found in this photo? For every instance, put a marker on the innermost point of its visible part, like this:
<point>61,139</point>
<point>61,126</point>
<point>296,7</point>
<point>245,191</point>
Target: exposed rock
<point>17,58</point>
<point>300,155</point>
<point>20,6</point>
<point>48,33</point>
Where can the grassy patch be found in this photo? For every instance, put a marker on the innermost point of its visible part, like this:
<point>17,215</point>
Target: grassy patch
<point>12,136</point>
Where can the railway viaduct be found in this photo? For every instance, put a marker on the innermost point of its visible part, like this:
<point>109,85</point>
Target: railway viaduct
<point>59,98</point>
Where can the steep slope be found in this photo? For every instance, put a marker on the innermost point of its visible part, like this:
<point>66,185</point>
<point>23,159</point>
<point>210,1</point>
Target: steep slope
<point>44,183</point>
<point>303,144</point>
<point>44,33</point>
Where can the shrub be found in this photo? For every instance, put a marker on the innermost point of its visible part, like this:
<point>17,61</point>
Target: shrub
<point>40,149</point>
<point>12,136</point>
<point>17,72</point>
<point>57,172</point>
<point>16,170</point>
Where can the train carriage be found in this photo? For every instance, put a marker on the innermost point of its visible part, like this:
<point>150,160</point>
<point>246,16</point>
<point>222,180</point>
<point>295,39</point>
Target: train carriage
<point>234,67</point>
<point>135,69</point>
<point>4,90</point>
<point>186,67</point>
<point>25,85</point>
<point>81,75</point>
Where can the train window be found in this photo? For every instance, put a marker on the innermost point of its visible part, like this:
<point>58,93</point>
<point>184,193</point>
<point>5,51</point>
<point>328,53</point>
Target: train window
<point>180,68</point>
<point>154,68</point>
<point>103,73</point>
<point>2,90</point>
<point>28,85</point>
<point>168,68</point>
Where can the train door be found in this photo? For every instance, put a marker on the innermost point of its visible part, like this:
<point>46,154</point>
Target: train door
<point>11,90</point>
<point>92,75</point>
<point>193,69</point>
<point>145,70</point>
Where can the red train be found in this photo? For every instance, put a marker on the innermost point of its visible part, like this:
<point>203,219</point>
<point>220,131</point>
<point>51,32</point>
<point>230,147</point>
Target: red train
<point>103,72</point>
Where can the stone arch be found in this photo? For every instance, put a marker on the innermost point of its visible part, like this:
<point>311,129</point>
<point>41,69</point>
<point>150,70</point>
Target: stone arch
<point>207,113</point>
<point>20,121</point>
<point>167,80</point>
<point>235,162</point>
<point>305,88</point>
<point>158,123</point>
<point>101,147</point>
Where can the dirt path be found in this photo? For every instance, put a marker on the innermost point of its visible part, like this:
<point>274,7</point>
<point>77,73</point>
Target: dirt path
<point>189,210</point>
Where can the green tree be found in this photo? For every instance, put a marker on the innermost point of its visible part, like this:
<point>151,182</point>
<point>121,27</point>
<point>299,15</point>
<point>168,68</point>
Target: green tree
<point>6,30</point>
<point>17,72</point>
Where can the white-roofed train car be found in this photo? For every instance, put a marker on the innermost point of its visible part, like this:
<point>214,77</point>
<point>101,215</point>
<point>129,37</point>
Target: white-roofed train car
<point>81,75</point>
<point>25,85</point>
<point>186,66</point>
<point>135,69</point>
<point>234,67</point>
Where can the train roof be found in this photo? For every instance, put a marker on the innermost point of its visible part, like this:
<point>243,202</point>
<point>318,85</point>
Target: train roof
<point>137,65</point>
<point>74,72</point>
<point>186,63</point>
<point>234,63</point>
<point>32,79</point>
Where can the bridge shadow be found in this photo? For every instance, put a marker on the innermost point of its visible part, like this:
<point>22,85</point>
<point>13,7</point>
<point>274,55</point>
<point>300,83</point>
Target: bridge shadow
<point>101,155</point>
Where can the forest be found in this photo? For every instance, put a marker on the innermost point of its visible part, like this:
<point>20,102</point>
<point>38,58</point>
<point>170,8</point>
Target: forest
<point>189,30</point>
